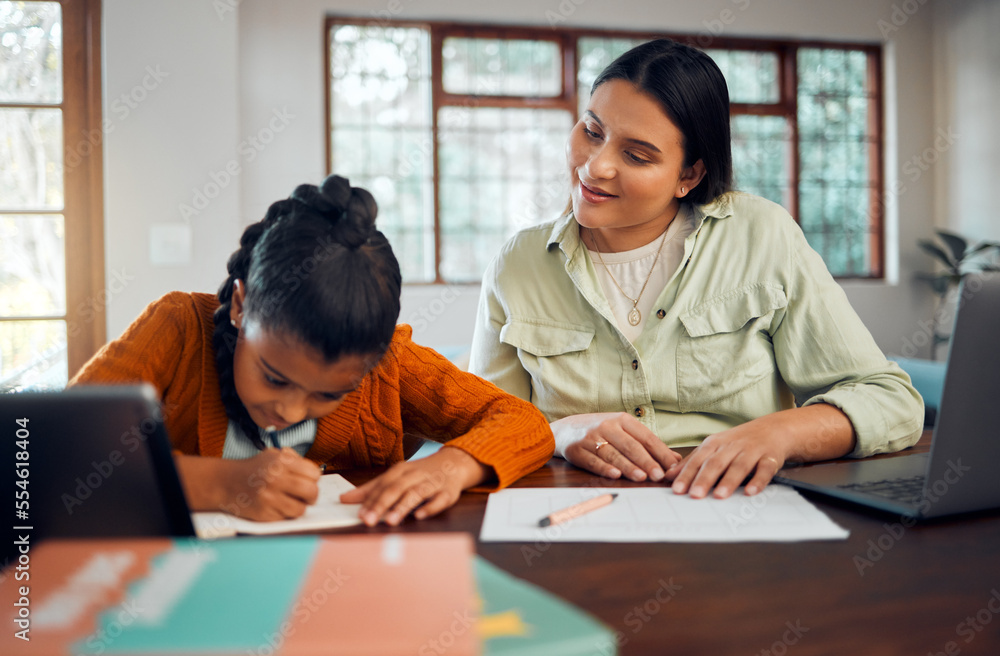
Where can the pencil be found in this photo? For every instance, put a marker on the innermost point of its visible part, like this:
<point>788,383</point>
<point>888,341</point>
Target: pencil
<point>272,434</point>
<point>574,511</point>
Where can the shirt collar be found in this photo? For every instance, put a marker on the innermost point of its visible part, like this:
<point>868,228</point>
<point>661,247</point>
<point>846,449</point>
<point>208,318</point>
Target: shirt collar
<point>564,232</point>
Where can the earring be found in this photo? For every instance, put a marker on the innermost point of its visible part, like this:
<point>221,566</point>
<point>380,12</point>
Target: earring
<point>233,322</point>
<point>683,190</point>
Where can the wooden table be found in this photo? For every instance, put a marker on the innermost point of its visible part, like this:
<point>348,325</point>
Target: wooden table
<point>929,589</point>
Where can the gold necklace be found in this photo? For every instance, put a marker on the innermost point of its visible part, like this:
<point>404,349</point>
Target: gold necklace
<point>635,316</point>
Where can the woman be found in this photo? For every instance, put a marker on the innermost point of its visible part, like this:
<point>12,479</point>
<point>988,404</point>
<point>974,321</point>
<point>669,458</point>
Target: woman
<point>665,309</point>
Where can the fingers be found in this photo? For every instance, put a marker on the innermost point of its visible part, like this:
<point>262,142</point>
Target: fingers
<point>622,445</point>
<point>723,466</point>
<point>586,455</point>
<point>423,487</point>
<point>646,450</point>
<point>279,485</point>
<point>767,467</point>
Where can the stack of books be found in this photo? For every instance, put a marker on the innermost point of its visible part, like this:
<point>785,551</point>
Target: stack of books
<point>423,594</point>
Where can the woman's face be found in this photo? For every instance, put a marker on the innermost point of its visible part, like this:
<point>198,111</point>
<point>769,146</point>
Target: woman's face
<point>626,162</point>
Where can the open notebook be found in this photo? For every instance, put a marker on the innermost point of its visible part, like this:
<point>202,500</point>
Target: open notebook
<point>327,512</point>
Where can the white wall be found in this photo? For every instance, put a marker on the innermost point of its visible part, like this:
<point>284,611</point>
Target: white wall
<point>163,144</point>
<point>259,67</point>
<point>967,94</point>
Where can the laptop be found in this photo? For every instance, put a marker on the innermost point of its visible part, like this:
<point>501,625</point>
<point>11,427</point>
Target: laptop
<point>96,463</point>
<point>959,474</point>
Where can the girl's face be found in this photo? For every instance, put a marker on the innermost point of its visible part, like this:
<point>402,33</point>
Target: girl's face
<point>282,381</point>
<point>626,162</point>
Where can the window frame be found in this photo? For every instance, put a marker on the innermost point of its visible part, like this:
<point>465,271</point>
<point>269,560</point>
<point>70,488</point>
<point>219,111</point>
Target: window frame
<point>785,107</point>
<point>83,196</point>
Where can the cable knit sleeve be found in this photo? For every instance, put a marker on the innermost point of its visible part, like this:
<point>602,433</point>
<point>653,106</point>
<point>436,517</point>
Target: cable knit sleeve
<point>148,350</point>
<point>446,404</point>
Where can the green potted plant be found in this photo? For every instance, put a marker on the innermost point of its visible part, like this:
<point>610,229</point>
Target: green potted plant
<point>958,258</point>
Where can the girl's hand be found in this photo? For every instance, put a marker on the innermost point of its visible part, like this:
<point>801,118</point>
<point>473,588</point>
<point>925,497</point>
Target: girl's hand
<point>760,448</point>
<point>425,487</point>
<point>611,443</point>
<point>271,485</point>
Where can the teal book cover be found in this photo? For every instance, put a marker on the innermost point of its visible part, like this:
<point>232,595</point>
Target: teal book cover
<point>519,618</point>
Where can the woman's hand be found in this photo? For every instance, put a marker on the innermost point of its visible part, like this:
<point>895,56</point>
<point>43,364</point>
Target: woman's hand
<point>611,443</point>
<point>760,448</point>
<point>271,485</point>
<point>425,487</point>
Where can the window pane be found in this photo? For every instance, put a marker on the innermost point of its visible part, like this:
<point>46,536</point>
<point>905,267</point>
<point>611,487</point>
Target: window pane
<point>380,102</point>
<point>501,170</point>
<point>33,355</point>
<point>593,56</point>
<point>32,266</point>
<point>834,144</point>
<point>760,156</point>
<point>502,67</point>
<point>31,52</point>
<point>752,76</point>
<point>31,159</point>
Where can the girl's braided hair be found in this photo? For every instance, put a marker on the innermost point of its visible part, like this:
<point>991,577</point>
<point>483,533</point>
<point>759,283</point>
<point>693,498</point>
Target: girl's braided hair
<point>315,269</point>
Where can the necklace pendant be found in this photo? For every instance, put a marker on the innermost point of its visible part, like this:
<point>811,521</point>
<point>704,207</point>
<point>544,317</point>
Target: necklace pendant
<point>634,317</point>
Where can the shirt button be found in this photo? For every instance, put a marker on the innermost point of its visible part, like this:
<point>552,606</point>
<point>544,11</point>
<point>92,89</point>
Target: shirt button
<point>660,314</point>
<point>639,412</point>
<point>635,365</point>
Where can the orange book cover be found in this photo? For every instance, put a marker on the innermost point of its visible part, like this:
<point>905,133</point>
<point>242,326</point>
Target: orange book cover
<point>310,595</point>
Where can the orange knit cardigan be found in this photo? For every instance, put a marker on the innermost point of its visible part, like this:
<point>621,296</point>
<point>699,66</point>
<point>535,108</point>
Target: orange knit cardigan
<point>412,389</point>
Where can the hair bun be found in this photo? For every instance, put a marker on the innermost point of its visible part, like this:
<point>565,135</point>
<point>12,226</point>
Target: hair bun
<point>352,210</point>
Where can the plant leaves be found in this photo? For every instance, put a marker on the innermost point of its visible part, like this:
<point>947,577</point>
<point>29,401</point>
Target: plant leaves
<point>956,244</point>
<point>984,246</point>
<point>936,251</point>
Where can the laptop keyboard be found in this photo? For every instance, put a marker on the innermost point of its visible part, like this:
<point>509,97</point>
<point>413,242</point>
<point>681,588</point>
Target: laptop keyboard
<point>905,490</point>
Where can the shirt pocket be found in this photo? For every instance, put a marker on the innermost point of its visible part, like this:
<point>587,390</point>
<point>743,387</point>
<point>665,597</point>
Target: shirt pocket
<point>726,346</point>
<point>560,361</point>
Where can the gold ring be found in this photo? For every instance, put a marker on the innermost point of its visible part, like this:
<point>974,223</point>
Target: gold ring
<point>599,444</point>
<point>772,459</point>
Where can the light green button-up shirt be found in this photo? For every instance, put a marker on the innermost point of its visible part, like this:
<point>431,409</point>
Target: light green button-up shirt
<point>750,323</point>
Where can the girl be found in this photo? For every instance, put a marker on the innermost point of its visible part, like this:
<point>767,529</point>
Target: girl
<point>664,308</point>
<point>297,362</point>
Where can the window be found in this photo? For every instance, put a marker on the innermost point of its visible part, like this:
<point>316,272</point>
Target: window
<point>460,131</point>
<point>51,258</point>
